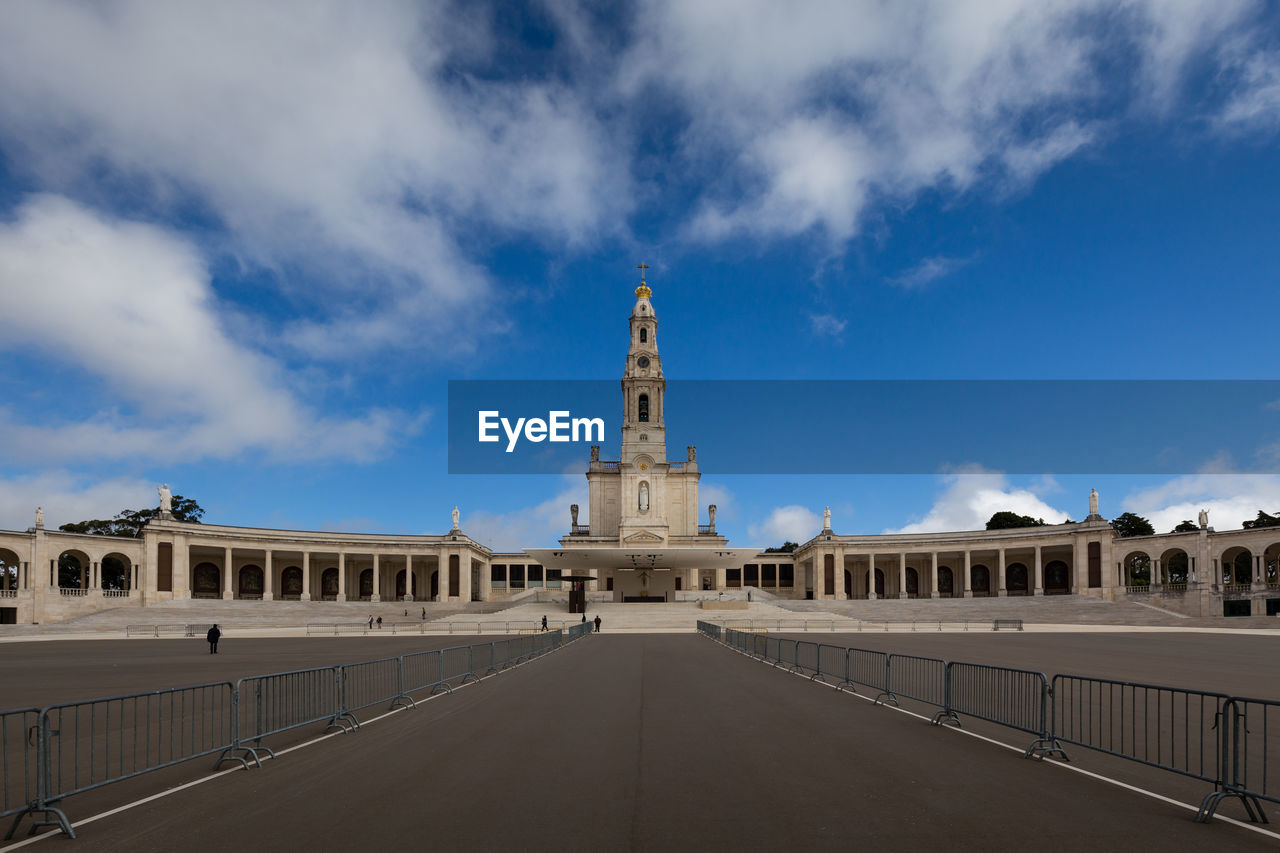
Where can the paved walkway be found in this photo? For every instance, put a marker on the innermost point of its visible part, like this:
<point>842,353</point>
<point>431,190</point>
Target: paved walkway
<point>655,742</point>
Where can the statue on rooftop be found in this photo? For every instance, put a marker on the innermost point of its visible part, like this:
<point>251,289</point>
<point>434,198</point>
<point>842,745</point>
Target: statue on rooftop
<point>166,497</point>
<point>454,514</point>
<point>1093,502</point>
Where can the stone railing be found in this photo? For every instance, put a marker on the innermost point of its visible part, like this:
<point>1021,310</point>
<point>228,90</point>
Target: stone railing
<point>71,593</point>
<point>1236,588</point>
<point>706,530</point>
<point>1137,589</point>
<point>1175,589</point>
<point>115,593</point>
<point>8,593</point>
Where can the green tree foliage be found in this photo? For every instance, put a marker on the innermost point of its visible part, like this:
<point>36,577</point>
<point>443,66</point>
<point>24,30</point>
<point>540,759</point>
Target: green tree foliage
<point>129,522</point>
<point>1263,520</point>
<point>1006,520</point>
<point>786,548</point>
<point>1127,524</point>
<point>1186,526</point>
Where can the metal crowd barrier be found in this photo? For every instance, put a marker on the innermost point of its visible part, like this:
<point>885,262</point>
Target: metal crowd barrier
<point>918,678</point>
<point>49,754</point>
<point>18,759</point>
<point>1227,741</point>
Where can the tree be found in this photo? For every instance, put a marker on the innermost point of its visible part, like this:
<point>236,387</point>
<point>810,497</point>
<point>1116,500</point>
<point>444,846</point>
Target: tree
<point>129,522</point>
<point>1186,526</point>
<point>1006,520</point>
<point>786,548</point>
<point>1127,524</point>
<point>1263,520</point>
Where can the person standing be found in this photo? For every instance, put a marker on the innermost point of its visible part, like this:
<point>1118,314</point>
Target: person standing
<point>597,621</point>
<point>370,621</point>
<point>379,623</point>
<point>213,636</point>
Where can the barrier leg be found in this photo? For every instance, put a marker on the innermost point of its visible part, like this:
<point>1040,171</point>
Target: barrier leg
<point>59,820</point>
<point>886,697</point>
<point>1252,806</point>
<point>1045,747</point>
<point>945,717</point>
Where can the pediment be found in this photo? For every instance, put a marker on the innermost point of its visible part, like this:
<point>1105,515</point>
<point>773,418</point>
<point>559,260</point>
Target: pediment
<point>642,536</point>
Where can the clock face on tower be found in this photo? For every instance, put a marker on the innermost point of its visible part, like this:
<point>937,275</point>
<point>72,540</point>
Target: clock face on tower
<point>643,361</point>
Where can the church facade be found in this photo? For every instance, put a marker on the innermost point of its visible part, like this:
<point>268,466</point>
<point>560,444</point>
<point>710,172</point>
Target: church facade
<point>643,541</point>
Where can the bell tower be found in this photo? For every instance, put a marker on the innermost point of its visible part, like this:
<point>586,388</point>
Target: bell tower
<point>643,387</point>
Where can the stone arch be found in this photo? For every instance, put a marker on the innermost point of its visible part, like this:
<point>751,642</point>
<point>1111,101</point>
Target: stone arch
<point>1175,566</point>
<point>980,579</point>
<point>116,572</point>
<point>206,580</point>
<point>291,582</point>
<point>9,568</point>
<point>73,569</point>
<point>250,580</point>
<point>329,584</point>
<point>643,405</point>
<point>913,583</point>
<point>1271,563</point>
<point>400,591</point>
<point>435,584</point>
<point>946,582</point>
<point>1237,565</point>
<point>366,583</point>
<point>879,581</point>
<point>1015,579</point>
<point>1057,578</point>
<point>1137,568</point>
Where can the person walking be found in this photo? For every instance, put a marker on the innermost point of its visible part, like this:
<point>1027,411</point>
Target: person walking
<point>379,623</point>
<point>424,614</point>
<point>544,623</point>
<point>213,636</point>
<point>597,621</point>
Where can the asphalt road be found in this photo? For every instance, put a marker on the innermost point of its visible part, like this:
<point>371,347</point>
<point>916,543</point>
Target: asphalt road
<point>654,742</point>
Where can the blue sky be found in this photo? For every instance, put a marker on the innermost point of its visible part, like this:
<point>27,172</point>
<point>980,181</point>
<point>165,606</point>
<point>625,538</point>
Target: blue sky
<point>244,247</point>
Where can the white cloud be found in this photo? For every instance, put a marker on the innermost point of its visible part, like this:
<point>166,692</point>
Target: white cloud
<point>530,527</point>
<point>131,305</point>
<point>791,523</point>
<point>827,324</point>
<point>928,271</point>
<point>971,498</point>
<point>1255,103</point>
<point>67,498</point>
<point>1229,498</point>
<point>347,142</point>
<point>811,112</point>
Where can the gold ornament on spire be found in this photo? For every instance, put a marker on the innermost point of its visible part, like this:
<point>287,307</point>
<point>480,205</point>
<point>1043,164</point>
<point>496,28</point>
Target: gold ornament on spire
<point>643,291</point>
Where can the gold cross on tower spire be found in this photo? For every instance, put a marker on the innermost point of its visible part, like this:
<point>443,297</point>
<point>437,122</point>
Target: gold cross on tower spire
<point>643,291</point>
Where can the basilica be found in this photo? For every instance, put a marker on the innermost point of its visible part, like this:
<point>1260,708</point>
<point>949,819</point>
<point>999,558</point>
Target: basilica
<point>644,542</point>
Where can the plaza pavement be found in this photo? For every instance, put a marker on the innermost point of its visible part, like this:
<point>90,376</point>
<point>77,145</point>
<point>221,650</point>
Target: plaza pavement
<point>654,742</point>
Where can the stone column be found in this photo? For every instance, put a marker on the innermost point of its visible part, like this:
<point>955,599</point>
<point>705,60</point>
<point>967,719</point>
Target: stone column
<point>181,567</point>
<point>342,576</point>
<point>1257,573</point>
<point>306,577</point>
<point>486,581</point>
<point>376,595</point>
<point>871,577</point>
<point>1000,581</point>
<point>932,589</point>
<point>902,574</point>
<point>228,589</point>
<point>720,578</point>
<point>1156,581</point>
<point>1039,590</point>
<point>968,577</point>
<point>97,574</point>
<point>268,579</point>
<point>464,576</point>
<point>408,577</point>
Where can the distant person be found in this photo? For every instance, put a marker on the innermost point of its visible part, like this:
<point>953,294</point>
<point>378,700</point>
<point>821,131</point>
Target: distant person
<point>370,621</point>
<point>406,611</point>
<point>584,617</point>
<point>424,614</point>
<point>544,623</point>
<point>597,621</point>
<point>213,636</point>
<point>379,623</point>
